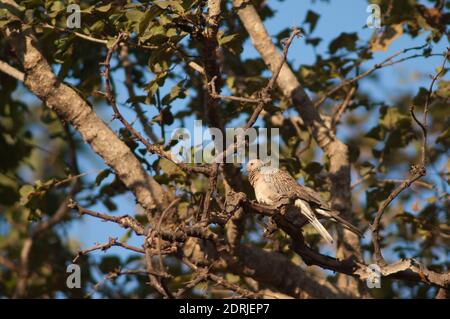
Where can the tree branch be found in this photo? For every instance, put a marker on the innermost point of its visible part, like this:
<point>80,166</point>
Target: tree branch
<point>406,269</point>
<point>417,171</point>
<point>11,71</point>
<point>386,62</point>
<point>72,108</point>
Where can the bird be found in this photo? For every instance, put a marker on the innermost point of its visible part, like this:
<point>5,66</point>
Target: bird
<point>270,184</point>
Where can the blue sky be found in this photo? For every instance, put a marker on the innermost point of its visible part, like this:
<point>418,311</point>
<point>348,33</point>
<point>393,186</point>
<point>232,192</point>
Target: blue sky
<point>335,17</point>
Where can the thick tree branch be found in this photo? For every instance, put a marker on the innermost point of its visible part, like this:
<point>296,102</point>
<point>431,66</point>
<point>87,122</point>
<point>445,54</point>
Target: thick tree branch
<point>72,108</point>
<point>405,269</point>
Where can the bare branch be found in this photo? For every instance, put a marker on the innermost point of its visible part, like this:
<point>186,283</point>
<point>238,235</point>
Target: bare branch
<point>337,113</point>
<point>7,263</point>
<point>11,71</point>
<point>264,96</point>
<point>205,272</point>
<point>117,273</point>
<point>103,247</point>
<point>158,229</point>
<point>125,221</point>
<point>131,93</point>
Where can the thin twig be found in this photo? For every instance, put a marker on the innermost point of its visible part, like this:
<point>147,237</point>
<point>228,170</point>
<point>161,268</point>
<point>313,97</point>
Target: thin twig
<point>128,68</point>
<point>12,71</point>
<point>191,284</point>
<point>7,263</point>
<point>205,272</point>
<point>105,246</point>
<point>125,221</point>
<point>158,230</point>
<point>337,113</point>
<point>386,62</point>
<point>116,273</point>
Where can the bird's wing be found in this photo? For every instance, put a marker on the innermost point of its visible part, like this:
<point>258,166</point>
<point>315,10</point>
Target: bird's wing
<point>285,184</point>
<point>312,196</point>
<point>282,182</point>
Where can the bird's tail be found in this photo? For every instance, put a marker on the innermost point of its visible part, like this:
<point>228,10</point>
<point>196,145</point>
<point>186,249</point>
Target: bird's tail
<point>309,214</point>
<point>339,219</point>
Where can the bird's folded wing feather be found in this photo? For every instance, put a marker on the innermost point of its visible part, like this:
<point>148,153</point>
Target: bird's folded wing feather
<point>287,185</point>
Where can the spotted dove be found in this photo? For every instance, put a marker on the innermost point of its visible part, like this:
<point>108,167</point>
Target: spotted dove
<point>271,184</point>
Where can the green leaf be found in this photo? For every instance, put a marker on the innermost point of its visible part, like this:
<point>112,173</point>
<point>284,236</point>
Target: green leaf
<point>134,17</point>
<point>102,175</point>
<point>393,118</point>
<point>177,91</point>
<point>378,133</point>
<point>4,23</point>
<point>432,199</point>
<point>25,191</point>
<point>420,97</point>
<point>226,39</point>
<point>110,43</point>
<point>109,264</point>
<point>169,167</point>
<point>35,215</point>
<point>152,88</point>
<point>126,236</point>
<point>444,138</point>
<point>137,99</point>
<point>175,5</point>
<point>354,152</point>
<point>313,168</point>
<point>344,40</point>
<point>389,35</point>
<point>56,7</point>
<point>104,8</point>
<point>145,20</point>
<point>443,89</point>
<point>313,41</point>
<point>110,204</point>
<point>167,116</point>
<point>311,19</point>
<point>97,27</point>
<point>156,35</point>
